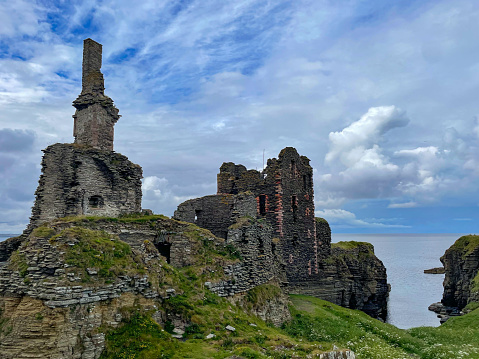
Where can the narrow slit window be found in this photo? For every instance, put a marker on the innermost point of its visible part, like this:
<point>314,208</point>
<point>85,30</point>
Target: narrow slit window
<point>262,204</point>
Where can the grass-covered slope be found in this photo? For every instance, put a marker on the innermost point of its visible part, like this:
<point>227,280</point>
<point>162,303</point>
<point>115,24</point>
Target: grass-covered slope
<point>322,321</point>
<point>147,331</point>
<point>317,326</point>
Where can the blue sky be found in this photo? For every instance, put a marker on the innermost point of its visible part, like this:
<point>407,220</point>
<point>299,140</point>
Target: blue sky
<point>380,95</point>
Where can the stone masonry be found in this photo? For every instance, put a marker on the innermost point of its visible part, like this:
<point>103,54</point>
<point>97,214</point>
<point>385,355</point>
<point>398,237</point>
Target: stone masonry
<point>95,113</point>
<point>82,181</point>
<point>283,197</point>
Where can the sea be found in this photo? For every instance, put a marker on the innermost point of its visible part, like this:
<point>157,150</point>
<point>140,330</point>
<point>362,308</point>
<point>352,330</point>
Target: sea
<point>405,257</point>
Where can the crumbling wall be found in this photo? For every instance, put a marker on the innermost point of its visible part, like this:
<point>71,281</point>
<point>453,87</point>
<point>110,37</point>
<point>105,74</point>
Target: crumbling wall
<point>217,212</point>
<point>323,236</point>
<point>285,199</point>
<point>260,261</point>
<point>85,181</point>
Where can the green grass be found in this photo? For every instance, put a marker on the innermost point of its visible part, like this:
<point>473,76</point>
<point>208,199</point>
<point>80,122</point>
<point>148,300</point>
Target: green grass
<point>18,262</point>
<point>317,320</point>
<point>97,249</point>
<point>130,218</point>
<point>321,220</point>
<point>352,245</point>
<point>466,244</point>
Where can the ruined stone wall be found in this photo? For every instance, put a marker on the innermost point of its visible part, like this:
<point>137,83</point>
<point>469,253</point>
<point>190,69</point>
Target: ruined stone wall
<point>323,236</point>
<point>234,179</point>
<point>285,198</point>
<point>217,212</point>
<point>260,261</point>
<point>85,181</point>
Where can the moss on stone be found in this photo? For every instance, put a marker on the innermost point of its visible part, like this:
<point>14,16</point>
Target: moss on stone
<point>18,262</point>
<point>43,232</point>
<point>241,222</point>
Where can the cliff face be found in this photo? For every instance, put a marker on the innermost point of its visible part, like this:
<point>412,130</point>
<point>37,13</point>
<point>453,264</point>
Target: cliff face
<point>73,280</point>
<point>352,277</point>
<point>461,263</point>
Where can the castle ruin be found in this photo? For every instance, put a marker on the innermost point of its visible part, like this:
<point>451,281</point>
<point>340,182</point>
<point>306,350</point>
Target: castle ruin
<point>87,177</point>
<point>296,250</point>
<point>282,196</point>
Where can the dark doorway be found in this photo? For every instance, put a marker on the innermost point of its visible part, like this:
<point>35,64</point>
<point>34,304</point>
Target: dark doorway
<point>165,250</point>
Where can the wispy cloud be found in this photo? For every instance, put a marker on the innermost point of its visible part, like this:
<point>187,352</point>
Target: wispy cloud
<point>202,82</point>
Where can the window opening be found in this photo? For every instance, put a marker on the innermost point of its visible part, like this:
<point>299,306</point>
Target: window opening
<point>96,202</point>
<point>262,204</point>
<point>294,207</point>
<point>197,214</point>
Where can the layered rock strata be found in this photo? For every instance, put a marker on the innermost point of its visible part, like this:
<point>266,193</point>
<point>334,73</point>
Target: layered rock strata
<point>52,300</point>
<point>461,264</point>
<point>350,275</point>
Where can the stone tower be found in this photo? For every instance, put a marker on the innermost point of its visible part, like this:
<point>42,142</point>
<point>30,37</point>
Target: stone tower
<point>87,177</point>
<point>95,113</point>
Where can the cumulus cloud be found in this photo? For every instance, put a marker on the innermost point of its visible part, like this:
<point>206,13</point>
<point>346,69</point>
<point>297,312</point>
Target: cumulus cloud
<point>359,140</point>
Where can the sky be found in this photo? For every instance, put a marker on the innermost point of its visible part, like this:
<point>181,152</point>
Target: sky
<point>381,96</point>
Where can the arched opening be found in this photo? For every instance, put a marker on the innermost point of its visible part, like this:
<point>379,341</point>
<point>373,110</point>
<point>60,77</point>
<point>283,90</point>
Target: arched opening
<point>96,202</point>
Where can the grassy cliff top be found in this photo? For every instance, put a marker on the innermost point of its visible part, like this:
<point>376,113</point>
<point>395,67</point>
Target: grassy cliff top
<point>320,220</point>
<point>316,326</point>
<point>466,244</point>
<point>352,245</point>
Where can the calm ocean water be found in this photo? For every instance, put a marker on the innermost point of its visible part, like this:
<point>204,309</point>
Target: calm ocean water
<point>405,257</point>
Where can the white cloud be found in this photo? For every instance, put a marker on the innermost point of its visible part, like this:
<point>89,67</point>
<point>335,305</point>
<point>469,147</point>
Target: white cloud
<point>403,205</point>
<point>354,141</point>
<point>341,218</point>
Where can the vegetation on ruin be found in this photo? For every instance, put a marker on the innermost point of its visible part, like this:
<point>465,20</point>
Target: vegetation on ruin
<point>18,262</point>
<point>87,249</point>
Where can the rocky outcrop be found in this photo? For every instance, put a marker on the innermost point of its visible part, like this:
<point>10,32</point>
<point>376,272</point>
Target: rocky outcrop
<point>461,263</point>
<point>74,276</point>
<point>353,277</point>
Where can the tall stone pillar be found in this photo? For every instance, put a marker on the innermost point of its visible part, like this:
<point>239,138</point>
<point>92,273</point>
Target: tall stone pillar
<point>95,113</point>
